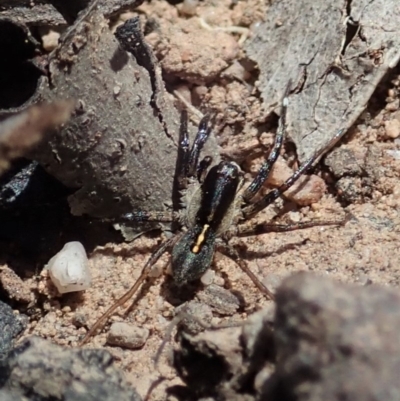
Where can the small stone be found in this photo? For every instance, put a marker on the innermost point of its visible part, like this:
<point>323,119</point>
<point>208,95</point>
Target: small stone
<point>196,317</point>
<point>79,319</point>
<point>208,277</point>
<point>306,191</point>
<point>351,190</point>
<point>393,105</point>
<point>39,370</point>
<point>189,7</point>
<point>392,128</point>
<point>127,335</point>
<point>11,326</point>
<point>50,40</point>
<point>219,299</point>
<point>344,162</point>
<point>15,287</point>
<point>117,90</point>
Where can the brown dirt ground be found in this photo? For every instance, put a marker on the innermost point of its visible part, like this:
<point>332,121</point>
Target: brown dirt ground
<point>366,250</point>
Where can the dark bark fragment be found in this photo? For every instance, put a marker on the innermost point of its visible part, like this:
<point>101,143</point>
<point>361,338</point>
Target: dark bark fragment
<point>59,12</point>
<point>119,150</point>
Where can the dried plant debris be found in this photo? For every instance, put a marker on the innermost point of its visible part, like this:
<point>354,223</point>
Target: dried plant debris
<point>18,134</point>
<point>119,150</point>
<point>334,74</point>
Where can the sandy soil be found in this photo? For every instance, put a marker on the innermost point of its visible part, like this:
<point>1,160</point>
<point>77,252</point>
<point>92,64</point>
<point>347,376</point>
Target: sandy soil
<point>365,250</point>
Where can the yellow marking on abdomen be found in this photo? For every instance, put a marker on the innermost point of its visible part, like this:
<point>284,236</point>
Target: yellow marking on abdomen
<point>200,239</point>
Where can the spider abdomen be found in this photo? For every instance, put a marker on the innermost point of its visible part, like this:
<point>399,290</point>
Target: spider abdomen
<point>193,254</point>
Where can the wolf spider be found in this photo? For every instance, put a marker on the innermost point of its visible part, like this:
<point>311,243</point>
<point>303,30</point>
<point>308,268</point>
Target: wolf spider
<point>216,211</point>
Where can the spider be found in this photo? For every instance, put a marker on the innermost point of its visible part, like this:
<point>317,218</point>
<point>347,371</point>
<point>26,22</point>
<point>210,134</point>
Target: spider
<point>218,206</point>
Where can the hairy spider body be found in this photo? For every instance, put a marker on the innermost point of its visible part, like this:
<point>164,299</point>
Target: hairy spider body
<point>193,253</point>
<point>216,211</point>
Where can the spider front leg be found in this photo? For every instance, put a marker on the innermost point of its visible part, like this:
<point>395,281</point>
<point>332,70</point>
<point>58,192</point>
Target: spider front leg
<point>187,166</point>
<point>188,160</point>
<point>265,169</point>
<point>254,208</point>
<point>249,229</point>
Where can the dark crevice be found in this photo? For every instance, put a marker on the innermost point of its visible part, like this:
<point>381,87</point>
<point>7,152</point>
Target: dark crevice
<point>131,39</point>
<point>18,76</point>
<point>35,219</point>
<point>352,28</point>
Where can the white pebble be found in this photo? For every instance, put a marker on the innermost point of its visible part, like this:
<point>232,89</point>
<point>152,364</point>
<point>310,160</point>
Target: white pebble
<point>69,270</point>
<point>127,335</point>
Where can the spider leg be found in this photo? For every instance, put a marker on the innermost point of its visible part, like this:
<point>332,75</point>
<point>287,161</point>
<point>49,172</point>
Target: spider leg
<point>265,169</point>
<point>246,230</point>
<point>142,216</point>
<point>252,209</point>
<point>201,137</point>
<point>183,152</point>
<point>203,167</point>
<point>188,160</point>
<point>131,292</point>
<point>229,251</point>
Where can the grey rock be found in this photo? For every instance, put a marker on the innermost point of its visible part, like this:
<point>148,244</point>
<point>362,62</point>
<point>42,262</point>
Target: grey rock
<point>226,361</point>
<point>195,317</point>
<point>343,162</point>
<point>207,361</point>
<point>38,370</point>
<point>325,341</point>
<point>335,342</point>
<point>222,301</point>
<point>352,190</point>
<point>10,326</point>
<point>6,395</point>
